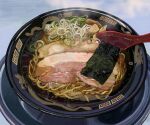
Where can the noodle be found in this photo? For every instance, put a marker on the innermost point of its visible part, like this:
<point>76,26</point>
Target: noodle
<point>52,103</point>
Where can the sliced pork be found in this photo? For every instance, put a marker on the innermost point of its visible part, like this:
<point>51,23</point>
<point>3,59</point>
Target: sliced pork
<point>57,47</point>
<point>61,67</point>
<point>53,60</point>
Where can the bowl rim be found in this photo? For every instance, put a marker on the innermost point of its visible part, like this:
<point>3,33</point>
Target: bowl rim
<point>69,114</point>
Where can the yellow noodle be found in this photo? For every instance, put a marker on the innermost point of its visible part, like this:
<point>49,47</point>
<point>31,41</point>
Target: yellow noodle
<point>89,90</point>
<point>55,89</point>
<point>70,90</point>
<point>86,97</point>
<point>41,86</point>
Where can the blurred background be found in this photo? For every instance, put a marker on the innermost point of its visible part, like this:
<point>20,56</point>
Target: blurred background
<point>15,13</point>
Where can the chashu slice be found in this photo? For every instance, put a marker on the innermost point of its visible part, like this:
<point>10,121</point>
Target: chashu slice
<point>57,47</point>
<point>62,68</point>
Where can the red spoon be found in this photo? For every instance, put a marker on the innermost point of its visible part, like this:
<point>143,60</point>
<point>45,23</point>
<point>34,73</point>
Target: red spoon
<point>121,40</point>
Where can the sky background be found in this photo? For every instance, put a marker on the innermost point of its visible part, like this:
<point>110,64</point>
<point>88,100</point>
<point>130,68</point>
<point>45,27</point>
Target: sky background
<point>15,13</point>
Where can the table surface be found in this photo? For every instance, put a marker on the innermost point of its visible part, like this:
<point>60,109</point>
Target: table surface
<point>14,13</point>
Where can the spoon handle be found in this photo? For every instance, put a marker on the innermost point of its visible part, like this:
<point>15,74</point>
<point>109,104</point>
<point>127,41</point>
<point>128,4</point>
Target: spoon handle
<point>142,38</point>
<point>121,40</point>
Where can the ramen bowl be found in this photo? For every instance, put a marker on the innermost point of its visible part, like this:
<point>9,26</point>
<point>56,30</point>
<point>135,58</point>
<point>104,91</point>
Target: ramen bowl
<point>20,53</point>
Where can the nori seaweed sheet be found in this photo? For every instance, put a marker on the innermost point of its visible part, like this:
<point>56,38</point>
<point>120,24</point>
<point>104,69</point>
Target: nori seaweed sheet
<point>102,62</point>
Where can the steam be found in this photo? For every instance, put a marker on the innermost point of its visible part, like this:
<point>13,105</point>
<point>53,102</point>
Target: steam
<point>122,8</point>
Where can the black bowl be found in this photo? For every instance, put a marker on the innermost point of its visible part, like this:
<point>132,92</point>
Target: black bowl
<point>18,56</point>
